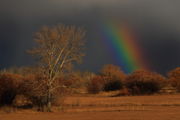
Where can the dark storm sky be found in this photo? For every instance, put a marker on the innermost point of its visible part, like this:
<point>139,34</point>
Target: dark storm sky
<point>157,23</point>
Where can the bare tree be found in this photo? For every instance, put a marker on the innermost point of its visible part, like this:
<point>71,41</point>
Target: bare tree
<point>58,47</point>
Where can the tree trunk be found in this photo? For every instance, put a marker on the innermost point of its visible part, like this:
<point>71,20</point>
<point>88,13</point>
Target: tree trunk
<point>49,102</point>
<point>49,106</point>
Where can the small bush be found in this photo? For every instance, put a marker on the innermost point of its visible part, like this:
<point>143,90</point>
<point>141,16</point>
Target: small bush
<point>96,84</point>
<point>143,82</point>
<point>112,71</point>
<point>174,78</point>
<point>9,85</point>
<point>73,80</point>
<point>34,88</point>
<point>114,77</point>
<point>113,84</point>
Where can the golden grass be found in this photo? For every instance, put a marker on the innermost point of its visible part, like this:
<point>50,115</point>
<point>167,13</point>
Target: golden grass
<point>129,103</point>
<point>94,107</point>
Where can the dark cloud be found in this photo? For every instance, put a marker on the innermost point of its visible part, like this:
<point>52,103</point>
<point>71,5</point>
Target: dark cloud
<point>157,23</point>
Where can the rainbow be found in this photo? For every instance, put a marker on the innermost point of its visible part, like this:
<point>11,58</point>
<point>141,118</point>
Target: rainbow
<point>123,46</point>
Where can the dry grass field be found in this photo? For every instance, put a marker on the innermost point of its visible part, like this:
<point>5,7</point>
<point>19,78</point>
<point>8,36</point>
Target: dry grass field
<point>99,107</point>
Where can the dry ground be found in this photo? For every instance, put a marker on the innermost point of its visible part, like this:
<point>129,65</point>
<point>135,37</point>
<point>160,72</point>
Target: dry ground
<point>156,107</point>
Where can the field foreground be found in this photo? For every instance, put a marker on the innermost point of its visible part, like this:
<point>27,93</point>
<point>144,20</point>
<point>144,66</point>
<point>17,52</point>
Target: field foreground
<point>156,107</point>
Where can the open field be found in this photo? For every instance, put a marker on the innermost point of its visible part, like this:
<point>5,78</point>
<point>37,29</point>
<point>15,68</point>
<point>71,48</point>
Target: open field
<point>156,107</point>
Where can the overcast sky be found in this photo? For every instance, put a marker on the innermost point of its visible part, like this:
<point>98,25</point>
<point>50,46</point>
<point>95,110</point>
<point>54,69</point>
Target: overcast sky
<point>157,23</point>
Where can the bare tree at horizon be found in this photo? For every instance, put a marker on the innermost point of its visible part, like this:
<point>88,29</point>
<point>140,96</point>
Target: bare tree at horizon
<point>58,48</point>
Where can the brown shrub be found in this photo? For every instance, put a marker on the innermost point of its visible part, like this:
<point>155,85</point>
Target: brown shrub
<point>112,83</point>
<point>74,80</point>
<point>9,86</point>
<point>34,88</point>
<point>174,78</point>
<point>96,84</point>
<point>144,82</point>
<point>113,71</point>
<point>114,77</point>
